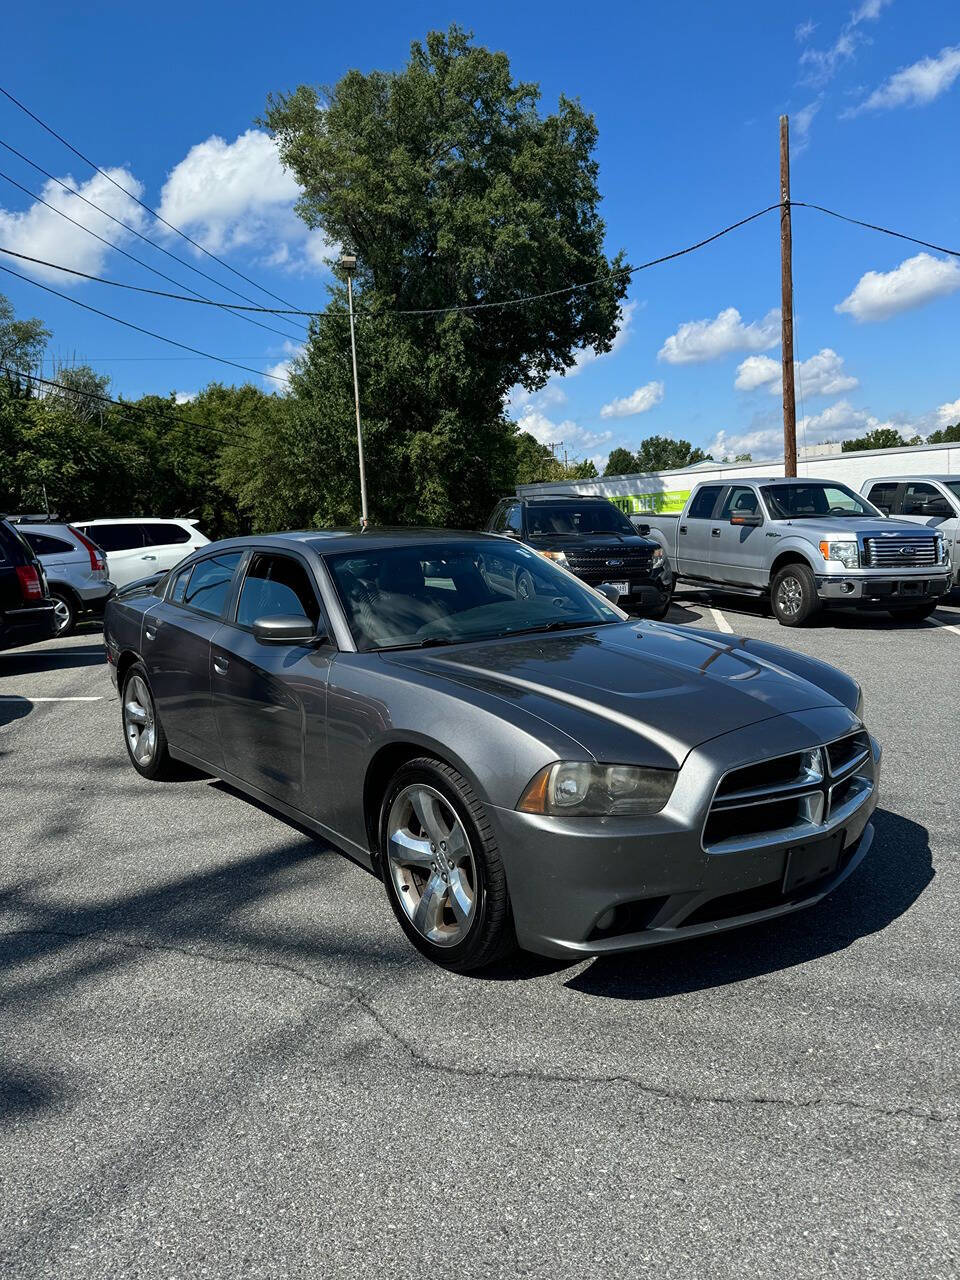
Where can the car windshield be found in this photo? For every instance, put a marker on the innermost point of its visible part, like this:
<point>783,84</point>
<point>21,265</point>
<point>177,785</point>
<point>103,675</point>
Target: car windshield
<point>448,592</point>
<point>953,486</point>
<point>808,500</point>
<point>574,518</point>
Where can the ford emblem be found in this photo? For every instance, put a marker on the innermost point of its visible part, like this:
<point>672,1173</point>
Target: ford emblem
<point>614,564</point>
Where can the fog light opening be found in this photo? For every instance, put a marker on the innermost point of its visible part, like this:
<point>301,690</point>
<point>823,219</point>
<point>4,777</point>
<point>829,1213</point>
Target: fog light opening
<point>605,920</point>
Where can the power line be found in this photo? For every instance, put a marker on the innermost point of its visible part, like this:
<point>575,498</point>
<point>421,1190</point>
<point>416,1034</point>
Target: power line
<point>120,404</point>
<point>133,258</point>
<point>260,373</point>
<point>86,160</point>
<point>133,230</point>
<point>872,226</point>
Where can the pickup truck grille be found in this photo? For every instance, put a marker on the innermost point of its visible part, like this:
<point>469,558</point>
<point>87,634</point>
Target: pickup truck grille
<point>595,563</point>
<point>899,553</point>
<point>790,797</point>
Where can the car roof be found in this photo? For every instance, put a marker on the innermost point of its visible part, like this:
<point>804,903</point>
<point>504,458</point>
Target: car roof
<point>771,480</point>
<point>139,520</point>
<point>47,527</point>
<point>561,497</point>
<point>326,541</point>
<point>910,479</point>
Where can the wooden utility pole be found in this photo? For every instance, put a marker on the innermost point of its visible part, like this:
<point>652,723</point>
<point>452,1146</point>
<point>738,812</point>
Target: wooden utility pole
<point>786,306</point>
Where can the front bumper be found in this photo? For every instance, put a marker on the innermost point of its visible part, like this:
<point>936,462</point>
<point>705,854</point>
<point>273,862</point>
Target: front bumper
<point>884,592</point>
<point>566,876</point>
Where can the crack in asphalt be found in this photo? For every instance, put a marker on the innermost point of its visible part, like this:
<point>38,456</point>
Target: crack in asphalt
<point>358,997</point>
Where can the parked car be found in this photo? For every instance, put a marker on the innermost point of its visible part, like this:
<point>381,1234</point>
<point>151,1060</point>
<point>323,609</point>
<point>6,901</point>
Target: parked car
<point>76,571</point>
<point>139,546</point>
<point>933,501</point>
<point>533,767</point>
<point>804,544</point>
<point>27,614</point>
<point>593,539</point>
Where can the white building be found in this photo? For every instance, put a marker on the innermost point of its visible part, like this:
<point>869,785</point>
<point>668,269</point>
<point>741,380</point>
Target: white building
<point>669,490</point>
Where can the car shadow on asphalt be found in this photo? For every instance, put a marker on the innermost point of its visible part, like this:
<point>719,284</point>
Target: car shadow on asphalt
<point>834,619</point>
<point>888,882</point>
<point>13,707</point>
<point>52,658</point>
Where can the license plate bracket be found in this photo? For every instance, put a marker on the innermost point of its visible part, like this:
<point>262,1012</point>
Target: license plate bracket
<point>622,587</point>
<point>807,863</point>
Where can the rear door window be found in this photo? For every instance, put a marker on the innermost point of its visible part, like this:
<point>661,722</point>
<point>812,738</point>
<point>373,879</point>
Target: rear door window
<point>209,583</point>
<point>44,544</point>
<point>884,496</point>
<point>274,585</point>
<point>701,508</point>
<point>116,537</point>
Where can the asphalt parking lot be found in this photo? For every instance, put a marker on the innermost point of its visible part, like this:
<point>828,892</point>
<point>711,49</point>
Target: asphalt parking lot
<point>219,1057</point>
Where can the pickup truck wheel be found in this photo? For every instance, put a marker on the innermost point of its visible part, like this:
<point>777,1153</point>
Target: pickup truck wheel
<point>916,613</point>
<point>793,595</point>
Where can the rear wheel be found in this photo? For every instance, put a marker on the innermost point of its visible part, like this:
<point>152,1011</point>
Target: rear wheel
<point>793,595</point>
<point>142,731</point>
<point>917,612</point>
<point>65,611</point>
<point>442,868</point>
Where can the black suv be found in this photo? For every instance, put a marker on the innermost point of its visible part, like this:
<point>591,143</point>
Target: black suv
<point>593,539</point>
<point>27,614</point>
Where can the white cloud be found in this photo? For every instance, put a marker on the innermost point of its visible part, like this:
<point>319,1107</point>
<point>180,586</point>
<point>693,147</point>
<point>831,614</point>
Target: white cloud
<point>821,375</point>
<point>800,123</point>
<point>638,401</point>
<point>804,30</point>
<point>838,422</point>
<point>184,397</point>
<point>879,295</point>
<point>700,340</point>
<point>823,64</point>
<point>41,233</point>
<point>916,85</point>
<point>574,438</point>
<point>948,414</point>
<point>283,368</point>
<point>237,195</point>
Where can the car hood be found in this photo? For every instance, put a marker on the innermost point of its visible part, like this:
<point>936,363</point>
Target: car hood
<point>851,526</point>
<point>586,541</point>
<point>611,686</point>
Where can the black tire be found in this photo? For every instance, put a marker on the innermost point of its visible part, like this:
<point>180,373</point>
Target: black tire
<point>66,611</point>
<point>491,935</point>
<point>793,595</point>
<point>916,612</point>
<point>659,611</point>
<point>159,766</point>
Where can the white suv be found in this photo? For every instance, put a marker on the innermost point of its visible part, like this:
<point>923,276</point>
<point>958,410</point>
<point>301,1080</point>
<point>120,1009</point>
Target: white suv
<point>141,545</point>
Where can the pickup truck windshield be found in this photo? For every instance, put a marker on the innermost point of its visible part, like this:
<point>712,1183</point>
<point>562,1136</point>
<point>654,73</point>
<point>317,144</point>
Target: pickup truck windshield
<point>806,501</point>
<point>562,518</point>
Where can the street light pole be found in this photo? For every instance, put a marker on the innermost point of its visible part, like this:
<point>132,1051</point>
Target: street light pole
<point>349,261</point>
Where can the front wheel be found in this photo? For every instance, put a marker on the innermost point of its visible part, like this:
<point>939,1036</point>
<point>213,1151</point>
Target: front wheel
<point>917,612</point>
<point>659,611</point>
<point>442,868</point>
<point>793,595</point>
<point>65,612</point>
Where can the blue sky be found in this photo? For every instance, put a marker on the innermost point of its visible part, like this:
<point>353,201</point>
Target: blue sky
<point>687,99</point>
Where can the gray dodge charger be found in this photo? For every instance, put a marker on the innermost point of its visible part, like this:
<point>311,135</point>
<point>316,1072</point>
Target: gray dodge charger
<point>539,771</point>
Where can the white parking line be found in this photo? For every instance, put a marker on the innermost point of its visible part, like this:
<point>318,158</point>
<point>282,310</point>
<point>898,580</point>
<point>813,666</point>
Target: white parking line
<point>943,626</point>
<point>720,620</point>
<point>23,697</point>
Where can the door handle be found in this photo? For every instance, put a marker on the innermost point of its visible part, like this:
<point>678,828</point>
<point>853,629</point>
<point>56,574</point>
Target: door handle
<point>683,528</point>
<point>150,633</point>
<point>148,557</point>
<point>220,665</point>
<point>714,533</point>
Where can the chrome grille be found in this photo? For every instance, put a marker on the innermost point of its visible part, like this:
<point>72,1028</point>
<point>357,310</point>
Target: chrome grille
<point>792,796</point>
<point>903,553</point>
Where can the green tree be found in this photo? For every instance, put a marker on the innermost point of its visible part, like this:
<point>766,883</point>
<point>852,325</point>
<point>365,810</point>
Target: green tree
<point>453,189</point>
<point>585,469</point>
<point>22,343</point>
<point>621,462</point>
<point>660,453</point>
<point>879,438</point>
<point>535,461</point>
<point>946,435</point>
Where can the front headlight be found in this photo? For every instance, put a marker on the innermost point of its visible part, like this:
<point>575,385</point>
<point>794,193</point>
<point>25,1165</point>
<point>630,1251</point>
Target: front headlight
<point>584,790</point>
<point>657,559</point>
<point>848,553</point>
<point>943,551</point>
<point>557,557</point>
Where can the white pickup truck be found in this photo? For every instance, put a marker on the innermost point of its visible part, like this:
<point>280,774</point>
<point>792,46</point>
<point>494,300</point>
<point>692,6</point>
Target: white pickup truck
<point>804,544</point>
<point>933,501</point>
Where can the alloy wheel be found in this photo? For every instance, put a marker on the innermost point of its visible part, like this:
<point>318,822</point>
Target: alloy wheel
<point>61,613</point>
<point>790,596</point>
<point>139,721</point>
<point>431,865</point>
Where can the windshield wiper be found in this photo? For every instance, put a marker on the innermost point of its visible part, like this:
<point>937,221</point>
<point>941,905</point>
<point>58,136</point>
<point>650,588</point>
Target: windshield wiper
<point>560,624</point>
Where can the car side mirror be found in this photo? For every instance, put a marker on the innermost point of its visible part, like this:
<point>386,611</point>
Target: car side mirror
<point>752,520</point>
<point>608,591</point>
<point>642,529</point>
<point>286,628</point>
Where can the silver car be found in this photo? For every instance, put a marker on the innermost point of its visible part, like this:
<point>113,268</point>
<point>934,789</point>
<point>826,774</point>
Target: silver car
<point>76,571</point>
<point>531,768</point>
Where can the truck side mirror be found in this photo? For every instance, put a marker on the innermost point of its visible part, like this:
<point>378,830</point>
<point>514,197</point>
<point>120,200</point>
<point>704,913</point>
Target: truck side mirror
<point>752,519</point>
